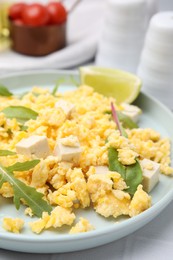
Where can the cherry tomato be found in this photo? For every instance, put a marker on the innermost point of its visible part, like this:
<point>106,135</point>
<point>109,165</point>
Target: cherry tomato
<point>58,13</point>
<point>15,10</point>
<point>18,22</point>
<point>35,15</point>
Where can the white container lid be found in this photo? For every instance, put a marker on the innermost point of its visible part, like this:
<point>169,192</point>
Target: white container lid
<point>131,9</point>
<point>125,24</point>
<point>161,25</point>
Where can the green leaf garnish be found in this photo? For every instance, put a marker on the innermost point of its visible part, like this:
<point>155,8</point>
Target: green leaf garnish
<point>133,177</point>
<point>24,166</point>
<point>4,91</point>
<point>58,83</point>
<point>132,174</point>
<point>114,164</point>
<point>74,81</point>
<point>21,113</point>
<point>70,80</point>
<point>126,121</point>
<point>22,191</point>
<point>6,152</point>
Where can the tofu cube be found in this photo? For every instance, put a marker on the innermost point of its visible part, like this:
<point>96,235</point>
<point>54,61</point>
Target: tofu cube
<point>34,145</point>
<point>67,152</point>
<point>67,107</point>
<point>151,171</point>
<point>132,111</point>
<point>101,169</point>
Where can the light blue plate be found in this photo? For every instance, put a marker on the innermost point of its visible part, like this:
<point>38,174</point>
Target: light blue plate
<point>155,116</point>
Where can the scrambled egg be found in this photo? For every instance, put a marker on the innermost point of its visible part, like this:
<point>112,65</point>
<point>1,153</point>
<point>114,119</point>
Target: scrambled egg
<point>82,226</point>
<point>59,217</point>
<point>13,225</point>
<point>72,185</point>
<point>140,202</point>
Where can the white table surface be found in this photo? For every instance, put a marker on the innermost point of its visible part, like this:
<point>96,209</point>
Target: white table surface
<point>154,240</point>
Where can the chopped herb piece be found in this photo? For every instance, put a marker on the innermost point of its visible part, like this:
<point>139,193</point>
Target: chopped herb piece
<point>21,113</point>
<point>6,152</point>
<point>4,91</point>
<point>58,83</point>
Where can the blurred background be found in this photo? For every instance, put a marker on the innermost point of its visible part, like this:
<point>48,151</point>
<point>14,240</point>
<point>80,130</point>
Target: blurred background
<point>121,34</point>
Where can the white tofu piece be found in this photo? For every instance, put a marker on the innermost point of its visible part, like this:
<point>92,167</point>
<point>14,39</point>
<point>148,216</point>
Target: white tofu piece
<point>34,145</point>
<point>132,111</point>
<point>67,107</point>
<point>67,153</point>
<point>151,171</point>
<point>101,169</point>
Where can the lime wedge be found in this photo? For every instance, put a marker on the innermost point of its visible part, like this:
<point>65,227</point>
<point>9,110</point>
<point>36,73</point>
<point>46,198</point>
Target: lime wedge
<point>123,86</point>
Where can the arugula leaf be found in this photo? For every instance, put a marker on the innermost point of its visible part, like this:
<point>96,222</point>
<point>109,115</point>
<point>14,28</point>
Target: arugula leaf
<point>116,120</point>
<point>58,83</point>
<point>74,81</point>
<point>132,174</point>
<point>114,164</point>
<point>24,166</point>
<point>22,191</point>
<point>133,177</point>
<point>69,80</point>
<point>6,152</point>
<point>21,113</point>
<point>127,122</point>
<point>4,91</point>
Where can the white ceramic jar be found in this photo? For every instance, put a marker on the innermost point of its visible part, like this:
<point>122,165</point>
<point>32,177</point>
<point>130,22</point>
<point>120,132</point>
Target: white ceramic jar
<point>156,64</point>
<point>123,34</point>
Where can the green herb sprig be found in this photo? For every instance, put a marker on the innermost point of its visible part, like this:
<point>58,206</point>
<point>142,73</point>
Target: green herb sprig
<point>6,153</point>
<point>4,91</point>
<point>22,191</point>
<point>21,113</point>
<point>132,174</point>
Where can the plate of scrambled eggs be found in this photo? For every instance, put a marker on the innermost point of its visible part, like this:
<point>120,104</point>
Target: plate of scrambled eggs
<point>78,170</point>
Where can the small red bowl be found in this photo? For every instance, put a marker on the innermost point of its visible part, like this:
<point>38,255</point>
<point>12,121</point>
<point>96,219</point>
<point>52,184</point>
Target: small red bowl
<point>37,41</point>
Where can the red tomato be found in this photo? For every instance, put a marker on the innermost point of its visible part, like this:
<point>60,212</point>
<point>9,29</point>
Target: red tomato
<point>18,22</point>
<point>58,13</point>
<point>35,15</point>
<point>15,10</point>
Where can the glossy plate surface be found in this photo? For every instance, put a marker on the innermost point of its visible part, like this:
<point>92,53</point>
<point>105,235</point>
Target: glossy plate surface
<point>155,116</point>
